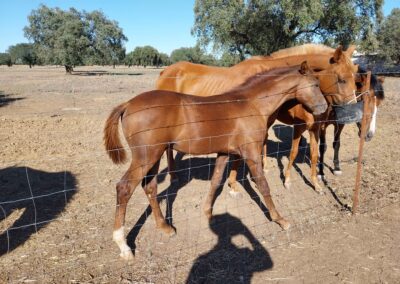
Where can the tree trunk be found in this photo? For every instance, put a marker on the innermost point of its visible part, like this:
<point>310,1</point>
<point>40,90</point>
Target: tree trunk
<point>68,69</point>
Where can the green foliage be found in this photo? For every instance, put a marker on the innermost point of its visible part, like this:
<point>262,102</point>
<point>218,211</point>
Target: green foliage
<point>72,38</point>
<point>192,54</point>
<point>107,39</point>
<point>5,59</point>
<point>261,26</point>
<point>23,53</point>
<point>389,36</point>
<point>146,56</point>
<point>228,59</point>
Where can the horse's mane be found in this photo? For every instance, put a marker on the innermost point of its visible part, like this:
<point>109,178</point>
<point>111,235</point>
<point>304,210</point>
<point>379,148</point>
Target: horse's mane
<point>376,84</point>
<point>309,48</point>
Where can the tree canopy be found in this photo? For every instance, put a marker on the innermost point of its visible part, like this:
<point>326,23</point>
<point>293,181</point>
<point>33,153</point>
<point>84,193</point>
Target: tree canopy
<point>192,54</point>
<point>5,59</point>
<point>23,53</point>
<point>72,37</point>
<point>146,56</point>
<point>263,26</point>
<point>389,36</point>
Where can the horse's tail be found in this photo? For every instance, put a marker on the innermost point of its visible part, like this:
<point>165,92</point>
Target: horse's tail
<point>112,142</point>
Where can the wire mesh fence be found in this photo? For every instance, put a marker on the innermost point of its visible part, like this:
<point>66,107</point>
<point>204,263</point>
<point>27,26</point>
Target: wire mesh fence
<point>57,209</point>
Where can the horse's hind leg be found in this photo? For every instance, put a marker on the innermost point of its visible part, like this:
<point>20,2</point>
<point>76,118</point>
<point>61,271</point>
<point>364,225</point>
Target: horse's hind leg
<point>125,189</point>
<point>220,165</point>
<point>256,170</point>
<point>150,188</point>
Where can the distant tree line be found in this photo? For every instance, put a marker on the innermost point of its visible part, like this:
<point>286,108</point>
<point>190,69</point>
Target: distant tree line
<point>234,29</point>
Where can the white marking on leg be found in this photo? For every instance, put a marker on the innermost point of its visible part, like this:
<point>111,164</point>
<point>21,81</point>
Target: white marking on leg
<point>119,238</point>
<point>372,126</point>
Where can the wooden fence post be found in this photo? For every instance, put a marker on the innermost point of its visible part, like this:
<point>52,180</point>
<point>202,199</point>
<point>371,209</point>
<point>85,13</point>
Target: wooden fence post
<point>365,98</point>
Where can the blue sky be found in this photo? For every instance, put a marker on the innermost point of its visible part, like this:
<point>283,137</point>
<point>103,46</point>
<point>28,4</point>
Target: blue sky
<point>164,24</point>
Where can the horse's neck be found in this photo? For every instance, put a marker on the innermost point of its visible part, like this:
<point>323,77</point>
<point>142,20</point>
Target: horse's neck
<point>270,96</point>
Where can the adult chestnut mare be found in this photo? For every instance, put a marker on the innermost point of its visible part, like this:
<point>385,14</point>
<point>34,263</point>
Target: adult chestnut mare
<point>230,123</point>
<point>335,74</point>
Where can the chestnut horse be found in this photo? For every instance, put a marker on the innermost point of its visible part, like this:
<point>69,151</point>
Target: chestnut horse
<point>233,122</point>
<point>336,77</point>
<point>375,97</point>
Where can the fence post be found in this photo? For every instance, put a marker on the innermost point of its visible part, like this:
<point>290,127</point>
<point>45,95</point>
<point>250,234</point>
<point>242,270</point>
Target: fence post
<point>365,98</point>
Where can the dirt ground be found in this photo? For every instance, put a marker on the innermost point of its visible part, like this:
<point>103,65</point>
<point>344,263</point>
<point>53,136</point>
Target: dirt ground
<point>57,197</point>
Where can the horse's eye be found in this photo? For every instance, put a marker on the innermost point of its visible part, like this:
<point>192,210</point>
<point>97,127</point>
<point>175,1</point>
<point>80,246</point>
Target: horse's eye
<point>341,81</point>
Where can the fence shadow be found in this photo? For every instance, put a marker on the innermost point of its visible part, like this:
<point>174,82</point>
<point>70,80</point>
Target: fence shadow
<point>6,99</point>
<point>226,262</point>
<point>20,214</point>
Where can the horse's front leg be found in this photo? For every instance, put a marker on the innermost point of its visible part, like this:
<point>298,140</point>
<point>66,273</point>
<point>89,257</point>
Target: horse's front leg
<point>336,147</point>
<point>322,150</point>
<point>235,190</point>
<point>171,164</point>
<point>297,132</point>
<point>314,135</point>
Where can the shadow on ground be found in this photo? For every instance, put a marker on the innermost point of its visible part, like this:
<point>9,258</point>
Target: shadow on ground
<point>7,99</point>
<point>227,262</point>
<point>103,73</point>
<point>20,214</point>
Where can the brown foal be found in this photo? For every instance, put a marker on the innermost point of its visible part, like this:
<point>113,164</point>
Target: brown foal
<point>232,123</point>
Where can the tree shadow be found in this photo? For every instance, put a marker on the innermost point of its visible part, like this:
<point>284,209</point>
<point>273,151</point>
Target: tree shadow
<point>226,262</point>
<point>102,73</point>
<point>7,99</point>
<point>29,200</point>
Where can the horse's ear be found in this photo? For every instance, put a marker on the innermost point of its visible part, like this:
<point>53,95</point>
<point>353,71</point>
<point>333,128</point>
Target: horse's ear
<point>350,50</point>
<point>337,55</point>
<point>304,69</point>
<point>381,79</point>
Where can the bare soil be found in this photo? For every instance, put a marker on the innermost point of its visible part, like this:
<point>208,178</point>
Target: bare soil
<point>57,197</point>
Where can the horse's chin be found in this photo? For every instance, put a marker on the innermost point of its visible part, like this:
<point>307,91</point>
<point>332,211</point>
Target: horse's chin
<point>320,110</point>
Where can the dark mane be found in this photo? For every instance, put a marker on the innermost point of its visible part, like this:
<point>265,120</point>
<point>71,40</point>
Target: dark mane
<point>375,83</point>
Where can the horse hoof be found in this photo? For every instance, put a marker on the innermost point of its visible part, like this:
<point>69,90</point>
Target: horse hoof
<point>287,185</point>
<point>126,255</point>
<point>337,172</point>
<point>285,225</point>
<point>235,194</point>
<point>168,230</point>
<point>318,190</point>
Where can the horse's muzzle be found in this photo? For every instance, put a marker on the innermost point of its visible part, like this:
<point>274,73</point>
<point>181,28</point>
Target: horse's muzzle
<point>320,109</point>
